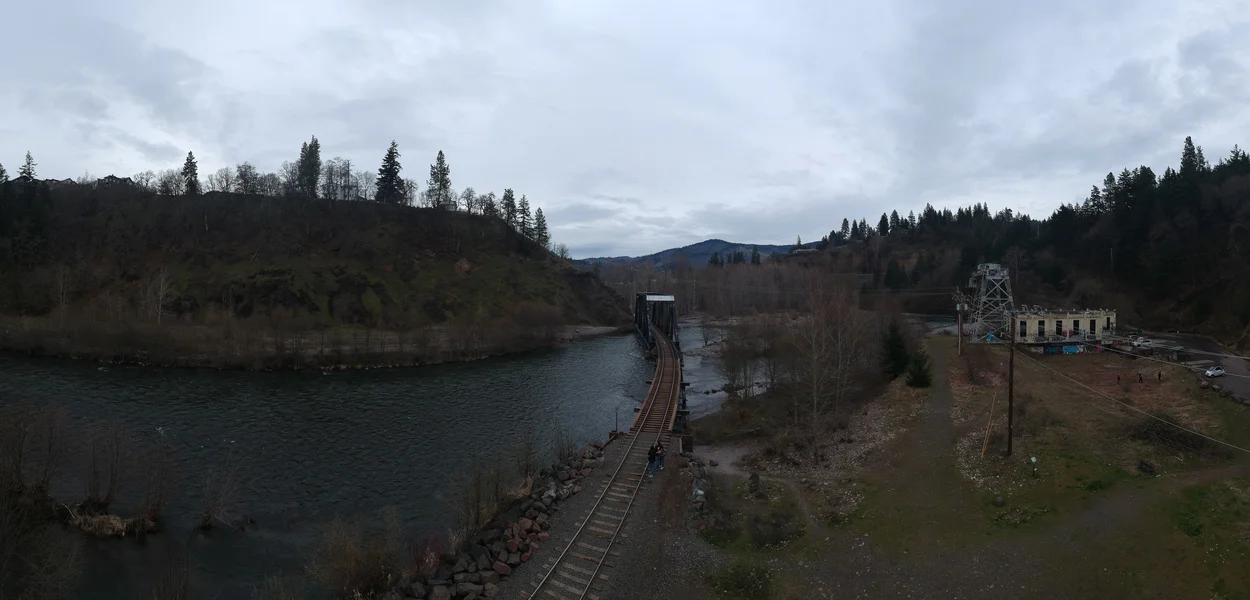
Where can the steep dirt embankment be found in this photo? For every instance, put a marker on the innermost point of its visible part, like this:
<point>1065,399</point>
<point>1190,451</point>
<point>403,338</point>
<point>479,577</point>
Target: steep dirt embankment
<point>230,280</point>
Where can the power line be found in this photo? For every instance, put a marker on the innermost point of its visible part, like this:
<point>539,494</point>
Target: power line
<point>1130,406</point>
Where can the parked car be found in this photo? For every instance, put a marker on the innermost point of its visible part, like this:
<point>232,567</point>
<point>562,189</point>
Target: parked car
<point>1216,371</point>
<point>1142,343</point>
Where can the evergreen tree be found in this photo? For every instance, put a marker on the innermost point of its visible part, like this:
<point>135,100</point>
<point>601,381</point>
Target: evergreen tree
<point>894,355</point>
<point>190,176</point>
<point>714,260</point>
<point>919,373</point>
<point>755,255</point>
<point>864,231</point>
<point>845,231</point>
<point>390,188</point>
<point>541,235</point>
<point>895,276</point>
<point>524,223</point>
<point>4,175</point>
<point>798,242</point>
<point>894,221</point>
<point>883,226</point>
<point>27,173</point>
<point>490,207</point>
<point>309,168</point>
<point>438,188</point>
<point>854,230</point>
<point>507,206</point>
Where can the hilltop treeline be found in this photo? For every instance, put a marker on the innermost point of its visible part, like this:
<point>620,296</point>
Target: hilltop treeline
<point>117,270</point>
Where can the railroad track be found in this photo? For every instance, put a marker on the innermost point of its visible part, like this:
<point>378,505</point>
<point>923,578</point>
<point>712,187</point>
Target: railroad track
<point>573,575</point>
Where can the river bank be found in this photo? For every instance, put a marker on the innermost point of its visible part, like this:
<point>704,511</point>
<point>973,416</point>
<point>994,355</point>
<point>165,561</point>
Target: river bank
<point>263,346</point>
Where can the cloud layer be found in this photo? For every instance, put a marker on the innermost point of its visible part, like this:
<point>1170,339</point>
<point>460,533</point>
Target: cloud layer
<point>643,125</point>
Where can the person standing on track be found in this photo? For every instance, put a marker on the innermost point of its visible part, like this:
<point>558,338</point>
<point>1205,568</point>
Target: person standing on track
<point>652,453</point>
<point>660,451</point>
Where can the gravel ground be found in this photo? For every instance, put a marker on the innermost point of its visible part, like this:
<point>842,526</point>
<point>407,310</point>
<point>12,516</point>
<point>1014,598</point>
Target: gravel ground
<point>664,558</point>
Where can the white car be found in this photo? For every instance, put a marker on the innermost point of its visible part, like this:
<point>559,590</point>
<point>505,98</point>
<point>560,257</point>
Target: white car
<point>1216,371</point>
<point>1142,343</point>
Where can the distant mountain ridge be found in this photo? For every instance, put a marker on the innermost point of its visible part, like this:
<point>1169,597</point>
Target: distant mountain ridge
<point>696,254</point>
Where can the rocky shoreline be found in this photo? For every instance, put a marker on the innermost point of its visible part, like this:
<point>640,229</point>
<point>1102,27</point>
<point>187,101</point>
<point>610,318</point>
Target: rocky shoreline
<point>478,569</point>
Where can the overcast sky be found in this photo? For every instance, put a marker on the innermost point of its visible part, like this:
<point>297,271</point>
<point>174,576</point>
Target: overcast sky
<point>641,125</point>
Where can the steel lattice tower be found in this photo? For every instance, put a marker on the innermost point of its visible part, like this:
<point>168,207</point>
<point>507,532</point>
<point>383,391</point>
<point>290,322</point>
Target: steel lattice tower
<point>992,305</point>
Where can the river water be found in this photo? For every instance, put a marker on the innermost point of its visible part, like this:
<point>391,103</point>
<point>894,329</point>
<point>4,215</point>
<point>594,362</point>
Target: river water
<point>317,446</point>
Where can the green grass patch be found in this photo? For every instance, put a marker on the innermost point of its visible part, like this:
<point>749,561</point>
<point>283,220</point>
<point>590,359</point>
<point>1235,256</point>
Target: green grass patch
<point>742,581</point>
<point>751,519</point>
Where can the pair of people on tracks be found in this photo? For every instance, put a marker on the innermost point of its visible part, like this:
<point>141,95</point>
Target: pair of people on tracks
<point>655,459</point>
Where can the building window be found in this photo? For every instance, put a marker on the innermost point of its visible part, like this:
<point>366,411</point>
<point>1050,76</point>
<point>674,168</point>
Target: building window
<point>1076,326</point>
<point>1058,326</point>
<point>1041,327</point>
<point>1108,322</point>
<point>1093,326</point>
<point>1024,328</point>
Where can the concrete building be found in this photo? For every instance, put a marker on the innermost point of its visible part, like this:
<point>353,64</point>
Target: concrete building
<point>1037,325</point>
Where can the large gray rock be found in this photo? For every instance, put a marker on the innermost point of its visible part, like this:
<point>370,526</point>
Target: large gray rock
<point>489,577</point>
<point>439,592</point>
<point>490,590</point>
<point>462,565</point>
<point>514,559</point>
<point>417,590</point>
<point>482,557</point>
<point>468,588</point>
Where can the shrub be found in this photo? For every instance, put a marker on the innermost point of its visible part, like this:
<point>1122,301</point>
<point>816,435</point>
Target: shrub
<point>919,372</point>
<point>350,564</point>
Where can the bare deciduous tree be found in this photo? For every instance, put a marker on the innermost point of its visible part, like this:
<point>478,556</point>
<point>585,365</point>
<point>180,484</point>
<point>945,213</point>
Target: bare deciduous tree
<point>159,293</point>
<point>831,345</point>
<point>62,280</point>
<point>221,180</point>
<point>247,179</point>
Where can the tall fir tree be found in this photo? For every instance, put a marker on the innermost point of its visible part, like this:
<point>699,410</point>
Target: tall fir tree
<point>846,230</point>
<point>438,188</point>
<point>190,176</point>
<point>4,175</point>
<point>524,223</point>
<point>755,255</point>
<point>309,168</point>
<point>894,355</point>
<point>507,206</point>
<point>911,220</point>
<point>883,226</point>
<point>389,187</point>
<point>541,235</point>
<point>854,230</point>
<point>27,170</point>
<point>894,221</point>
<point>864,231</point>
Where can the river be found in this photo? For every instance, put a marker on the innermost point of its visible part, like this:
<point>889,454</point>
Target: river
<point>317,446</point>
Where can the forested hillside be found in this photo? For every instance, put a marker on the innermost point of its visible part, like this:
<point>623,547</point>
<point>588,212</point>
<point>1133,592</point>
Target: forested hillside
<point>1167,251</point>
<point>239,279</point>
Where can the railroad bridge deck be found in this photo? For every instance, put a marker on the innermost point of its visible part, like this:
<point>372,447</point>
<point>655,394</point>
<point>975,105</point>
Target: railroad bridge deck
<point>579,573</point>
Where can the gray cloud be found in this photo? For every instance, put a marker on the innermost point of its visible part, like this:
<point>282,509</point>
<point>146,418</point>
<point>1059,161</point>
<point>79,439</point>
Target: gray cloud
<point>644,125</point>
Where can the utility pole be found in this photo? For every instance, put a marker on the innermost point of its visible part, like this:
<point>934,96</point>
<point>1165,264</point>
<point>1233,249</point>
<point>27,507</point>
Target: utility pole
<point>959,329</point>
<point>1011,382</point>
